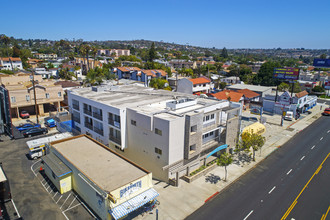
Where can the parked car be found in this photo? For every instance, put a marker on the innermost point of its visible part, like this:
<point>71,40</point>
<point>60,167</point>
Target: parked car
<point>24,114</point>
<point>35,131</point>
<point>27,126</point>
<point>326,112</point>
<point>288,116</point>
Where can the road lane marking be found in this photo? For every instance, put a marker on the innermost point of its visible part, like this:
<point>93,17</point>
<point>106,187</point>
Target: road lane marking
<point>271,190</point>
<point>302,158</point>
<point>295,201</point>
<point>248,215</point>
<point>289,172</point>
<point>313,147</point>
<point>321,138</point>
<point>328,131</point>
<point>325,215</point>
<point>65,201</point>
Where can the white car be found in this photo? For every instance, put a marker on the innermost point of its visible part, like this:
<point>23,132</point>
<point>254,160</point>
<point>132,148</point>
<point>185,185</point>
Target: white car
<point>288,116</point>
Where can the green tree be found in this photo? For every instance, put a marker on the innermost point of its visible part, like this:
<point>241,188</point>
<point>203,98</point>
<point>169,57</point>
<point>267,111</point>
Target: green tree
<point>152,53</point>
<point>224,53</point>
<point>223,85</point>
<point>318,89</point>
<point>323,56</point>
<point>66,74</point>
<point>50,65</point>
<point>225,160</point>
<point>252,140</point>
<point>6,41</point>
<point>93,52</point>
<point>16,51</point>
<point>296,87</point>
<point>186,72</point>
<point>283,87</point>
<point>95,76</point>
<point>265,74</point>
<point>158,83</point>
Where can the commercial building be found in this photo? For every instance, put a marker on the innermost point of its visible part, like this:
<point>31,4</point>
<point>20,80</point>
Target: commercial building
<point>168,133</point>
<point>262,90</point>
<point>111,185</point>
<point>11,63</point>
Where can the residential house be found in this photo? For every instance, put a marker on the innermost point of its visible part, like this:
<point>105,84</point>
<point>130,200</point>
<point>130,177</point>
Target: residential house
<point>147,75</point>
<point>51,56</point>
<point>45,74</point>
<point>229,95</point>
<point>127,72</point>
<point>250,97</point>
<point>170,134</point>
<point>116,52</point>
<point>11,63</point>
<point>231,80</point>
<point>262,90</point>
<point>195,86</point>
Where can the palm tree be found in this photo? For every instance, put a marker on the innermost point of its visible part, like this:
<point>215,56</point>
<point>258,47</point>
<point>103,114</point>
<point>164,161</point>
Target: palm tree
<point>6,40</point>
<point>94,52</point>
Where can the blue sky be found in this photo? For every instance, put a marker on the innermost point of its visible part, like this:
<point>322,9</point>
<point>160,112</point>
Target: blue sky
<point>222,23</point>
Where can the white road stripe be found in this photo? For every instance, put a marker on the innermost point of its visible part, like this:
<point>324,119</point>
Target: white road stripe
<point>302,158</point>
<point>12,201</point>
<point>328,131</point>
<point>313,147</point>
<point>248,215</point>
<point>321,138</point>
<point>271,190</point>
<point>289,172</point>
<point>65,200</point>
<point>59,199</point>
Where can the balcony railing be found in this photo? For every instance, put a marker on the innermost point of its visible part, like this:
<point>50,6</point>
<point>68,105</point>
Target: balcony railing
<point>113,122</point>
<point>75,106</point>
<point>97,115</point>
<point>88,125</point>
<point>76,119</point>
<point>99,131</point>
<point>114,139</point>
<point>88,112</point>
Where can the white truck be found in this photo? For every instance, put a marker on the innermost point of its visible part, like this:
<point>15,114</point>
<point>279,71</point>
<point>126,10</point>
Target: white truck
<point>37,147</point>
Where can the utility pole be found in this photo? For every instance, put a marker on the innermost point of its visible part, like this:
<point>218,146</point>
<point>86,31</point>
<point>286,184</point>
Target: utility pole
<point>35,97</point>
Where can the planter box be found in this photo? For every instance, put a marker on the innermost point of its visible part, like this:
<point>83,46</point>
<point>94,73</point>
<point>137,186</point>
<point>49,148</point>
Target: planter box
<point>190,179</point>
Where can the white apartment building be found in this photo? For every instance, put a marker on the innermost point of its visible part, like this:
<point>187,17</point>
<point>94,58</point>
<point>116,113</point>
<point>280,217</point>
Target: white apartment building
<point>168,133</point>
<point>195,86</point>
<point>7,62</point>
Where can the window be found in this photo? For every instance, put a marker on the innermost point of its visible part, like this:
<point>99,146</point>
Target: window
<point>13,99</point>
<point>206,135</point>
<point>211,133</point>
<point>158,151</point>
<point>59,94</point>
<point>212,116</point>
<point>47,95</point>
<point>27,97</point>
<point>193,128</point>
<point>204,85</point>
<point>133,122</point>
<point>207,118</point>
<point>192,148</point>
<point>157,131</point>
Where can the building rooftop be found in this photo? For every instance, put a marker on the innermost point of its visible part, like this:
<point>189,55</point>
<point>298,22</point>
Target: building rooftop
<point>250,87</point>
<point>144,99</point>
<point>98,163</point>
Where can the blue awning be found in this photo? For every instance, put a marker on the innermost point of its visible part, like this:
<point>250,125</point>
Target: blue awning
<point>133,204</point>
<point>217,149</point>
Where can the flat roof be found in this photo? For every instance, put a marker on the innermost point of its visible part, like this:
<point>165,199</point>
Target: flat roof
<point>104,167</point>
<point>145,100</point>
<point>57,165</point>
<point>250,87</point>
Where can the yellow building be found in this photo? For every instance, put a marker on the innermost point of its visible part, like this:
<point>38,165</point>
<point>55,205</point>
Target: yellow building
<point>110,184</point>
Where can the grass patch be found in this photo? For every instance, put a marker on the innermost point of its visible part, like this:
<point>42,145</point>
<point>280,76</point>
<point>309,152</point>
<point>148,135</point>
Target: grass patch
<point>324,96</point>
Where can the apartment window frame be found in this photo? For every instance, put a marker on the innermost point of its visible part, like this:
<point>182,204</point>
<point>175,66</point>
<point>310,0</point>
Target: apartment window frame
<point>158,151</point>
<point>59,94</point>
<point>193,129</point>
<point>47,95</point>
<point>13,99</point>
<point>192,148</point>
<point>27,98</point>
<point>212,116</point>
<point>133,122</point>
<point>158,131</point>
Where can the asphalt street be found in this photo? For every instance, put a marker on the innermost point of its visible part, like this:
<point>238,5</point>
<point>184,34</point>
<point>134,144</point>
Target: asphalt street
<point>269,190</point>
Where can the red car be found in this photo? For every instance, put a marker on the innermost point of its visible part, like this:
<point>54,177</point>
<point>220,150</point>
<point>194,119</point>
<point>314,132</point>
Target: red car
<point>24,114</point>
<point>326,111</point>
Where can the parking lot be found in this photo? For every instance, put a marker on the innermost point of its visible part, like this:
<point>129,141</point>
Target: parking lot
<point>34,195</point>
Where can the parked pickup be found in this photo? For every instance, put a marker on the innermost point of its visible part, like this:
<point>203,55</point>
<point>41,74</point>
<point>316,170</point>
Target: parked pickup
<point>26,126</point>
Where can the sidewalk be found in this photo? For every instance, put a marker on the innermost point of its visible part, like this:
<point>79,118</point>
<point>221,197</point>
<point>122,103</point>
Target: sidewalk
<point>179,202</point>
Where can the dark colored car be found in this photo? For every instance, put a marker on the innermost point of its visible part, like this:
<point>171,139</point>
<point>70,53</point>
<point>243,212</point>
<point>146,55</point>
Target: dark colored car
<point>326,112</point>
<point>24,114</point>
<point>27,126</point>
<point>35,131</point>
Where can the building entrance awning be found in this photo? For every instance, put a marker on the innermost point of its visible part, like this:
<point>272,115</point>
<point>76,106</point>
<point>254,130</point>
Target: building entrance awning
<point>133,204</point>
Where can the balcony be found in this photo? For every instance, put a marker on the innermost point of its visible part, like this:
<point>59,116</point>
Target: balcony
<point>76,119</point>
<point>75,106</point>
<point>88,112</point>
<point>99,131</point>
<point>114,139</point>
<point>98,116</point>
<point>88,125</point>
<point>113,123</point>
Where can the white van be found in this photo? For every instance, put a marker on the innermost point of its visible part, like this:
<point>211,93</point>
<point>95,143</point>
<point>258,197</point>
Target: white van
<point>288,116</point>
<point>37,147</point>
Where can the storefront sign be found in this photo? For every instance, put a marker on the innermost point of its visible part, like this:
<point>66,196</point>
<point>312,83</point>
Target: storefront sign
<point>130,189</point>
<point>257,110</point>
